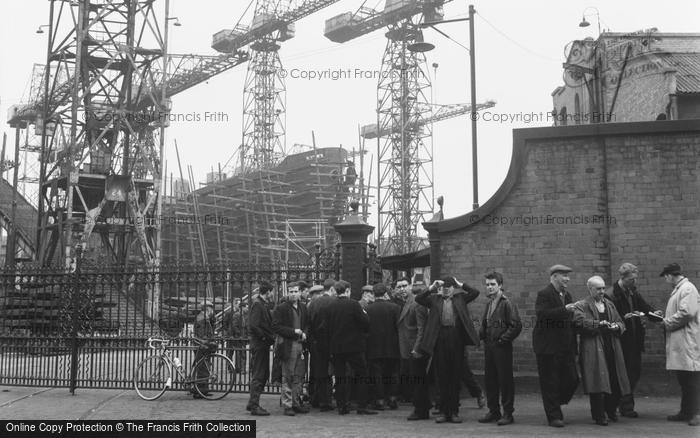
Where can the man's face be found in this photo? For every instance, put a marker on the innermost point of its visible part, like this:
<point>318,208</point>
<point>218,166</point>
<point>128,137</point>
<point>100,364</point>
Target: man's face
<point>447,291</point>
<point>368,296</point>
<point>332,292</point>
<point>304,294</point>
<point>561,280</point>
<point>668,278</point>
<point>236,304</point>
<point>629,280</point>
<point>294,294</point>
<point>492,287</point>
<point>402,289</point>
<point>597,289</point>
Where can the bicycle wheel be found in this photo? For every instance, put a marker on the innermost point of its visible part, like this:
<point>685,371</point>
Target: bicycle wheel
<point>151,377</point>
<point>213,376</point>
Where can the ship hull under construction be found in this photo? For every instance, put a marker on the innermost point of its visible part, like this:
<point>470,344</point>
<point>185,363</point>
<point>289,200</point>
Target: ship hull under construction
<point>263,215</point>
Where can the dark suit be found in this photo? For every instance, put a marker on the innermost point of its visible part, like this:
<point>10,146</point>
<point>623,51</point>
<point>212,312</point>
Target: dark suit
<point>383,348</point>
<point>320,350</point>
<point>446,343</point>
<point>261,337</point>
<point>498,331</point>
<point>348,327</point>
<point>408,329</point>
<point>632,339</point>
<point>554,342</point>
<point>411,323</point>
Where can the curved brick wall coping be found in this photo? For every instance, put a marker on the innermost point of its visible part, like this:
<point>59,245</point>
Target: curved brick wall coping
<point>520,151</point>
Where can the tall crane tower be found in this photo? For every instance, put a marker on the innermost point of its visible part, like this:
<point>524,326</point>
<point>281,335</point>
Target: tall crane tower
<point>100,110</point>
<point>264,109</point>
<point>405,187</point>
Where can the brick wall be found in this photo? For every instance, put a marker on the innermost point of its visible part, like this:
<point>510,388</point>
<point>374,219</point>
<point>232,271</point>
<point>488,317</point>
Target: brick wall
<point>591,197</point>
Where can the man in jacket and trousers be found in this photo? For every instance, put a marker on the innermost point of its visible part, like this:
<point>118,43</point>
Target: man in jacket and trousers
<point>383,347</point>
<point>261,337</point>
<point>554,342</point>
<point>500,325</point>
<point>290,323</point>
<point>348,327</point>
<point>629,303</point>
<point>320,347</point>
<point>682,324</point>
<point>448,329</point>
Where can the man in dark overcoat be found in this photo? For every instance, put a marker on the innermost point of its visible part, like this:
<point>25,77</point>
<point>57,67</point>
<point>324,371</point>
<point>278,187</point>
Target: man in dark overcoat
<point>348,327</point>
<point>383,347</point>
<point>630,304</point>
<point>261,338</point>
<point>554,342</point>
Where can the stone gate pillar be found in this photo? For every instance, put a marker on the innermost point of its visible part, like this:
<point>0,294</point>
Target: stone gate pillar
<point>353,247</point>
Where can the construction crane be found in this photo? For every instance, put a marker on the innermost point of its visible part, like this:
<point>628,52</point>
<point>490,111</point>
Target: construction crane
<point>105,98</point>
<point>405,176</point>
<point>264,111</point>
<point>440,113</point>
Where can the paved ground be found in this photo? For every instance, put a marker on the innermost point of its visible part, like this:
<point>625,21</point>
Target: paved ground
<point>58,404</point>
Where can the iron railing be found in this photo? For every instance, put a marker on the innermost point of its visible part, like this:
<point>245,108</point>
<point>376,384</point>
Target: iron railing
<point>87,327</point>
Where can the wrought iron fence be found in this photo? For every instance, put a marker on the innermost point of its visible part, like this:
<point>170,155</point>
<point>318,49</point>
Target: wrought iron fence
<point>87,328</point>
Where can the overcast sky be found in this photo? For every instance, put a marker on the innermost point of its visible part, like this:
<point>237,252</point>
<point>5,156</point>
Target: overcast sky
<point>519,52</point>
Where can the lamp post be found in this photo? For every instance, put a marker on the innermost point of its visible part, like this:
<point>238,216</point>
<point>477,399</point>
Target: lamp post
<point>40,29</point>
<point>585,23</point>
<point>422,46</point>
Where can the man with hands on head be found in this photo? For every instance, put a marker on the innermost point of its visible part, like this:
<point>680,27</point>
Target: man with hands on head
<point>447,330</point>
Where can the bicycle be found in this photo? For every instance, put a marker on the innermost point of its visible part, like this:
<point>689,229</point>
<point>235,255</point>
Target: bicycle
<point>154,374</point>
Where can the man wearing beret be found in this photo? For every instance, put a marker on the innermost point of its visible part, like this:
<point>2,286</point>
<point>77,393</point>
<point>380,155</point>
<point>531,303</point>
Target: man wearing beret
<point>682,324</point>
<point>554,342</point>
<point>448,329</point>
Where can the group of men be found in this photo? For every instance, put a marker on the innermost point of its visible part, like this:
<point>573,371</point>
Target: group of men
<point>382,345</point>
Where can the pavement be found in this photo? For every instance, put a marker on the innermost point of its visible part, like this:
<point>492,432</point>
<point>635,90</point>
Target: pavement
<point>29,403</point>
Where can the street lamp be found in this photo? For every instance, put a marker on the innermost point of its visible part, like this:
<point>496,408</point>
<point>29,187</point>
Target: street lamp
<point>422,46</point>
<point>585,23</point>
<point>177,21</point>
<point>40,29</point>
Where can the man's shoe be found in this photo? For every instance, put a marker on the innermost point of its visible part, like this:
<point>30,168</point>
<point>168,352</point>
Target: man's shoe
<point>393,404</point>
<point>481,401</point>
<point>678,417</point>
<point>248,408</point>
<point>508,419</point>
<point>300,409</point>
<point>613,417</point>
<point>556,423</point>
<point>260,412</point>
<point>601,422</point>
<point>197,396</point>
<point>490,417</point>
<point>455,419</point>
<point>695,421</point>
<point>289,412</point>
<point>435,412</point>
<point>366,412</point>
<point>629,414</point>
<point>442,419</point>
<point>326,408</point>
<point>416,416</point>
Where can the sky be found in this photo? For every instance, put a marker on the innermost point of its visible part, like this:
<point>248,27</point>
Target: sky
<point>519,53</point>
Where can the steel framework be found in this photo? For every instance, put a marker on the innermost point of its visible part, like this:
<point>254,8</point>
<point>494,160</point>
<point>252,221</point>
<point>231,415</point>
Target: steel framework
<point>405,187</point>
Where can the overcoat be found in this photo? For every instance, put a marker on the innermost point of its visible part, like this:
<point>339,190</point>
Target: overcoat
<point>594,369</point>
<point>682,323</point>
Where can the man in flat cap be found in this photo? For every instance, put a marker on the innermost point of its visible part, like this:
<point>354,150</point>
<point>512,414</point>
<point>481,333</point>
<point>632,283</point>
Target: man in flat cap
<point>682,324</point>
<point>554,342</point>
<point>448,329</point>
<point>261,338</point>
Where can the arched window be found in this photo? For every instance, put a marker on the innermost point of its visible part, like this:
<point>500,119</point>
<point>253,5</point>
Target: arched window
<point>562,117</point>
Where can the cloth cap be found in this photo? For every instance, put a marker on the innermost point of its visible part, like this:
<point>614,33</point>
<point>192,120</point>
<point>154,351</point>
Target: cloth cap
<point>559,268</point>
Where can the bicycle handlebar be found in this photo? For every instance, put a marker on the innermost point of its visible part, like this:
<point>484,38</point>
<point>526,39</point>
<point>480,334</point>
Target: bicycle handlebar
<point>160,343</point>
